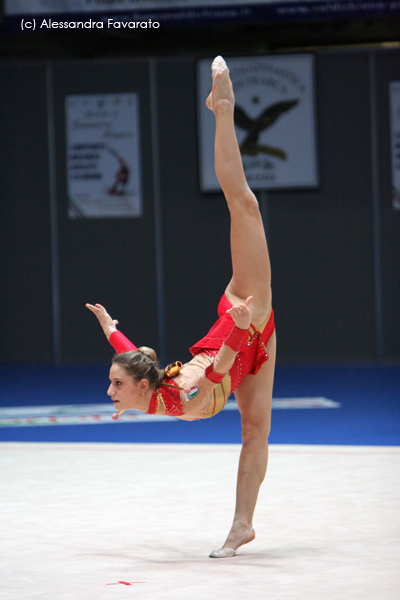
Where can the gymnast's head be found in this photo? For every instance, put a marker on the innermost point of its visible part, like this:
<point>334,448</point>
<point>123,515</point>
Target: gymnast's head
<point>133,377</point>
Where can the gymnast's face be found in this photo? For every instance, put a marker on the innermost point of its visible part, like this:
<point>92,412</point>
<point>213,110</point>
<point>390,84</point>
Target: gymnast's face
<point>124,391</point>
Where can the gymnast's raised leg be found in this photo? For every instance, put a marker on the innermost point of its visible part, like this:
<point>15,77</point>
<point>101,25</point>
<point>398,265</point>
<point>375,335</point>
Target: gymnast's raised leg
<point>251,275</point>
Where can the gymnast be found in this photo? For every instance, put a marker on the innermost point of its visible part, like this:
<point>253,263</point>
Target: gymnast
<point>238,353</point>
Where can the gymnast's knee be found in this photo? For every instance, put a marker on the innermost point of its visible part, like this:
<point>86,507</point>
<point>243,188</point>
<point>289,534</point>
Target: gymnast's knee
<point>255,430</point>
<point>245,201</point>
<point>250,203</point>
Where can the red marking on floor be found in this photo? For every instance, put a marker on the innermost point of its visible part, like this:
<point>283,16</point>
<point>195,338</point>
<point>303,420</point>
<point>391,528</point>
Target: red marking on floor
<point>125,582</point>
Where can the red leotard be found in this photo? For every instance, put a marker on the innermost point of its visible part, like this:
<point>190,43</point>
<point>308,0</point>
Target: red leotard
<point>251,356</point>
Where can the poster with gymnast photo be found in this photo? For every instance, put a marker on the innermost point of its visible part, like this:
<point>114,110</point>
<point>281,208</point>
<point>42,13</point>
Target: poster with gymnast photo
<point>274,121</point>
<point>103,156</point>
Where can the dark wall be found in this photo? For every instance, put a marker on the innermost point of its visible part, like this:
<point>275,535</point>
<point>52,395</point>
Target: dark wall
<point>321,241</point>
<point>25,261</point>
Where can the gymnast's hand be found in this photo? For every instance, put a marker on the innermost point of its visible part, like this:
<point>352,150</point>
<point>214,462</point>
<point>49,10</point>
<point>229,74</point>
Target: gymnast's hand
<point>108,324</point>
<point>241,313</point>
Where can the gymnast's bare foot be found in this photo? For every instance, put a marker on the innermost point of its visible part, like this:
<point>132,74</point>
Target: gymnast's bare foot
<point>238,536</point>
<point>222,91</point>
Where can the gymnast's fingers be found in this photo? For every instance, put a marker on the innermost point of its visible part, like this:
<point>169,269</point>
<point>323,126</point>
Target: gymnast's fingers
<point>98,310</point>
<point>91,308</point>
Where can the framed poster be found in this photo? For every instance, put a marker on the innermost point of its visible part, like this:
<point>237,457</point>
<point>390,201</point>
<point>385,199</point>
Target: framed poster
<point>394,95</point>
<point>103,156</point>
<point>274,121</point>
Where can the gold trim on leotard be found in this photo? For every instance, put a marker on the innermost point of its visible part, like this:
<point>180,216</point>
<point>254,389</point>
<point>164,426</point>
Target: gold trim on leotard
<point>261,327</point>
<point>219,397</point>
<point>221,392</point>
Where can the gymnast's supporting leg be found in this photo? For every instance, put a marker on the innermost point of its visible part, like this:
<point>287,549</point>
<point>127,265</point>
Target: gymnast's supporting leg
<point>251,276</point>
<point>254,398</point>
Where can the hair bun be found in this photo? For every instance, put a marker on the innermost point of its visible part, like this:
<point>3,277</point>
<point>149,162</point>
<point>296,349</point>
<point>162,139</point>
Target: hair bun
<point>148,352</point>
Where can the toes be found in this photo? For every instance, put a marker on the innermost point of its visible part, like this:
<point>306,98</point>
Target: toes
<point>221,87</point>
<point>217,64</point>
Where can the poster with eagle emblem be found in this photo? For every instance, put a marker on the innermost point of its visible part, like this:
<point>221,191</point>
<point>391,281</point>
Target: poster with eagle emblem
<point>274,120</point>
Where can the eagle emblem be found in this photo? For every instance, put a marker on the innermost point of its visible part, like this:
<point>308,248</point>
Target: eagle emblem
<point>254,127</point>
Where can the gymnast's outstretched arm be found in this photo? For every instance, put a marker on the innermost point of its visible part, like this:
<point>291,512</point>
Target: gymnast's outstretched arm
<point>116,338</point>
